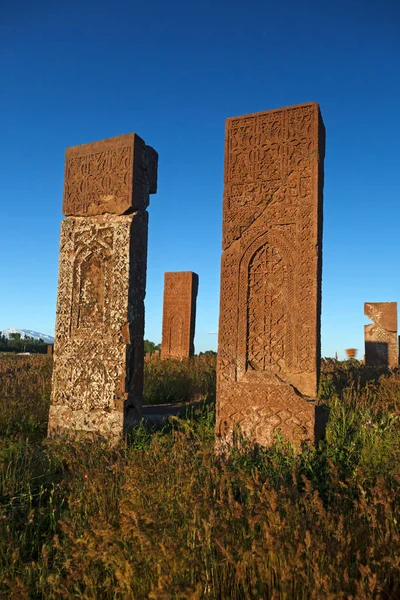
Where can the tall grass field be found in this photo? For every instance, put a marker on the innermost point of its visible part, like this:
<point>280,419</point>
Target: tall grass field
<point>161,516</point>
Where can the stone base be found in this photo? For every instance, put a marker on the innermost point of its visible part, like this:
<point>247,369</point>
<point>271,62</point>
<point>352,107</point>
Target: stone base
<point>262,409</point>
<point>109,424</point>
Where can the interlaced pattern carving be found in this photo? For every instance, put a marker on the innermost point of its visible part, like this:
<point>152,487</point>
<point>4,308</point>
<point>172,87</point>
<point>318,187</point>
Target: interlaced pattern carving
<point>91,179</point>
<point>266,310</point>
<point>271,265</point>
<point>98,351</point>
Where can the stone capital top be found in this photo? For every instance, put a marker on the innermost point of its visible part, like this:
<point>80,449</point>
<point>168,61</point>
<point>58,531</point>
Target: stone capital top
<point>383,314</point>
<point>115,176</point>
<point>312,105</point>
<point>180,280</point>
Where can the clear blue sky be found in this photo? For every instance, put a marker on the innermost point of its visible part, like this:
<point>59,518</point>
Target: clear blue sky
<point>79,71</point>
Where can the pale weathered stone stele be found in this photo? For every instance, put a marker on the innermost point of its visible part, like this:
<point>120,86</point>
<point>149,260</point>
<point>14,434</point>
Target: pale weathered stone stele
<point>269,328</point>
<point>99,351</point>
<point>179,314</point>
<point>381,341</point>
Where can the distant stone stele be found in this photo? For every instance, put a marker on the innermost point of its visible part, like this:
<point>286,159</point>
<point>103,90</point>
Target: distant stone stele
<point>381,341</point>
<point>179,314</point>
<point>99,352</point>
<point>269,327</point>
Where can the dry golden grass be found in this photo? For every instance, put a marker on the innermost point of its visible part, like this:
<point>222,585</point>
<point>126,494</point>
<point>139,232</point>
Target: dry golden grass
<point>173,380</point>
<point>162,517</point>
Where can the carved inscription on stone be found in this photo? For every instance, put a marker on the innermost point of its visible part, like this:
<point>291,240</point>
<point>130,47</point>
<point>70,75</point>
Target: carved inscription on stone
<point>381,342</point>
<point>179,314</point>
<point>112,176</point>
<point>269,330</point>
<point>99,352</point>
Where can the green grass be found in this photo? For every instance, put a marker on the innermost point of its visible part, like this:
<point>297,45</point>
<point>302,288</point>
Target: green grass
<point>162,517</point>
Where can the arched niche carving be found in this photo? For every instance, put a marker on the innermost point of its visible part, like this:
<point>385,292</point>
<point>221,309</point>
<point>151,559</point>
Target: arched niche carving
<point>266,299</point>
<point>91,289</point>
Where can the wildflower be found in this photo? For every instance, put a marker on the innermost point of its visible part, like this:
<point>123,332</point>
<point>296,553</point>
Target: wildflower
<point>86,475</point>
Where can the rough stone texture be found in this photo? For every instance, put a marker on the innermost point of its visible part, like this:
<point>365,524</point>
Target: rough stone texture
<point>381,341</point>
<point>111,176</point>
<point>99,351</point>
<point>269,329</point>
<point>179,314</point>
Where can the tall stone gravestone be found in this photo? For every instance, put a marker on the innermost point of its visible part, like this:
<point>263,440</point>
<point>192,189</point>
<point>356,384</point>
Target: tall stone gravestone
<point>269,328</point>
<point>179,314</point>
<point>98,351</point>
<point>381,342</point>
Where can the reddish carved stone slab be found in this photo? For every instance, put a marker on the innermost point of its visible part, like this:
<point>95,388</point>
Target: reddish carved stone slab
<point>99,351</point>
<point>114,176</point>
<point>179,314</point>
<point>381,342</point>
<point>269,330</point>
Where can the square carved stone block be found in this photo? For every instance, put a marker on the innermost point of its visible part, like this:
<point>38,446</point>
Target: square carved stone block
<point>113,176</point>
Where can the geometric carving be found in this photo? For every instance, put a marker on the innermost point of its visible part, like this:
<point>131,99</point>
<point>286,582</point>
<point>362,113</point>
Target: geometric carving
<point>99,351</point>
<point>269,331</point>
<point>179,314</point>
<point>266,319</point>
<point>381,342</point>
<point>115,175</point>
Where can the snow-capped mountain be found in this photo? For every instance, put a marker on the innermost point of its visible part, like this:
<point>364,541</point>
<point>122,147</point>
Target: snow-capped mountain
<point>28,333</point>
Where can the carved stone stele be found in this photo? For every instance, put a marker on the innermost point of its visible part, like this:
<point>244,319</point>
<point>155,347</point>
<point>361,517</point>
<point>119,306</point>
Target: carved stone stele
<point>381,342</point>
<point>269,328</point>
<point>99,352</point>
<point>179,314</point>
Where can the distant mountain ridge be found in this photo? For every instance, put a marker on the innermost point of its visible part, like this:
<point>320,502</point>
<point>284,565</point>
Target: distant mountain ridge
<point>36,335</point>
